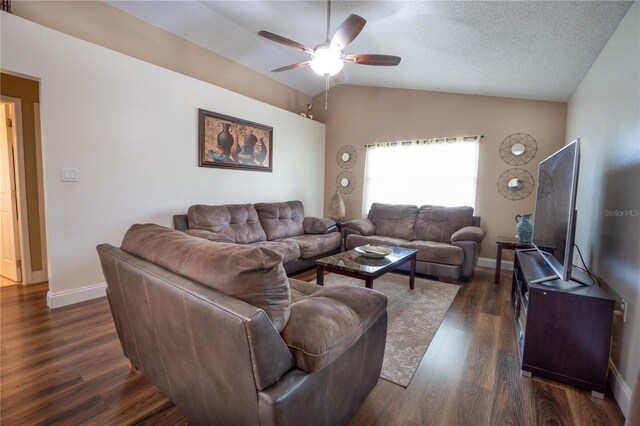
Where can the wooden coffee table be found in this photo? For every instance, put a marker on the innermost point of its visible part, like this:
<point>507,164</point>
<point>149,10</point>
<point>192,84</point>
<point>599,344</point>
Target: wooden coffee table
<point>353,264</point>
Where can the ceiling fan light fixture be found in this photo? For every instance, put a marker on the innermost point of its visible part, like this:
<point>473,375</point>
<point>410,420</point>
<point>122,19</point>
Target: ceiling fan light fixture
<point>327,61</point>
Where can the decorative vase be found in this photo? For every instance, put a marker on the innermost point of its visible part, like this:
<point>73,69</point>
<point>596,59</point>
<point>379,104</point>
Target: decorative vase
<point>235,150</point>
<point>337,210</point>
<point>260,151</point>
<point>246,156</point>
<point>225,140</point>
<point>524,227</point>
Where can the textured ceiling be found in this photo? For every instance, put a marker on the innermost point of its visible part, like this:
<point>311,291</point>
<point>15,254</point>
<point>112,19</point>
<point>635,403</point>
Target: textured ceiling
<point>521,49</point>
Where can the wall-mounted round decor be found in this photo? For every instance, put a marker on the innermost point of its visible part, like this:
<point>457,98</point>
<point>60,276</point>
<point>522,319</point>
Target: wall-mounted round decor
<point>346,182</point>
<point>515,184</point>
<point>518,149</point>
<point>346,157</point>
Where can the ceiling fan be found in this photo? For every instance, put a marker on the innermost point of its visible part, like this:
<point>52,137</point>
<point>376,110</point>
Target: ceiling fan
<point>329,58</point>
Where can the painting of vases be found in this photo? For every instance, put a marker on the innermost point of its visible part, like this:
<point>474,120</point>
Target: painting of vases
<point>229,142</point>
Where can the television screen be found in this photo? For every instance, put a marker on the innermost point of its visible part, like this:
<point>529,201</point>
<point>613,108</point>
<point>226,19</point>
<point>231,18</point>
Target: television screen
<point>554,219</point>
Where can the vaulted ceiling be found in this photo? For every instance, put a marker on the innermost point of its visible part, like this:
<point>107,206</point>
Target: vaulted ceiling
<point>521,49</point>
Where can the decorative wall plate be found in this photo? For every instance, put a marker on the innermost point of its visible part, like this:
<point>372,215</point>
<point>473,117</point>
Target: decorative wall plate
<point>518,149</point>
<point>515,184</point>
<point>346,157</point>
<point>346,182</point>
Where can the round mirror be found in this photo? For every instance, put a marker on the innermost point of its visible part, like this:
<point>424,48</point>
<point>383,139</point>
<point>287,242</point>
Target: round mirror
<point>344,182</point>
<point>345,156</point>
<point>515,184</point>
<point>517,149</point>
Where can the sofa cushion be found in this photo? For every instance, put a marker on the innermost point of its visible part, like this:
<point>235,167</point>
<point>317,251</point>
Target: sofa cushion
<point>252,274</point>
<point>394,220</point>
<point>289,250</point>
<point>302,289</point>
<point>238,222</point>
<point>435,252</point>
<point>355,240</point>
<point>281,220</point>
<point>315,245</point>
<point>328,322</point>
<point>437,223</point>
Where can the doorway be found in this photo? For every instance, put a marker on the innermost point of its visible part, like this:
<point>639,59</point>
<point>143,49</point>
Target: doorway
<point>23,248</point>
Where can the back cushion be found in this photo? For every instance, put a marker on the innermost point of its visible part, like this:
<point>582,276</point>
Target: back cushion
<point>394,220</point>
<point>281,220</point>
<point>252,274</point>
<point>437,223</point>
<point>238,222</point>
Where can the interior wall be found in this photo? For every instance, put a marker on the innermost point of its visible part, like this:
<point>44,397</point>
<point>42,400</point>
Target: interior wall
<point>100,23</point>
<point>604,113</point>
<point>29,93</point>
<point>362,115</point>
<point>130,128</point>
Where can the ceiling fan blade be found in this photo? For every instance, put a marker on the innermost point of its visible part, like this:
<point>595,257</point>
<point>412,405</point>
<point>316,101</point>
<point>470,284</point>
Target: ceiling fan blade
<point>348,31</point>
<point>380,60</point>
<point>284,41</point>
<point>292,66</point>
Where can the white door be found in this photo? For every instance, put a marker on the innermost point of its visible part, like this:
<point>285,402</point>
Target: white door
<point>9,247</point>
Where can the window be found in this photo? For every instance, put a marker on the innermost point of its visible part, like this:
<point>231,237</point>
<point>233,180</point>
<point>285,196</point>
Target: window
<point>436,171</point>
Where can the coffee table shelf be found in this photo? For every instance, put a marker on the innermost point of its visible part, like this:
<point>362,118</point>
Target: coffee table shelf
<point>353,264</point>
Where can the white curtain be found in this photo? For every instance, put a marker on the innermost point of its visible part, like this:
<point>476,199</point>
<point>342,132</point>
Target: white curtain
<point>440,171</point>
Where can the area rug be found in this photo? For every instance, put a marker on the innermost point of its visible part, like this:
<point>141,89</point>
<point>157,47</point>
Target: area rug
<point>413,319</point>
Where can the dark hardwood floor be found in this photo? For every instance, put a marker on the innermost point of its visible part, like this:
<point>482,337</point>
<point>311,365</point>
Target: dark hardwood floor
<point>65,366</point>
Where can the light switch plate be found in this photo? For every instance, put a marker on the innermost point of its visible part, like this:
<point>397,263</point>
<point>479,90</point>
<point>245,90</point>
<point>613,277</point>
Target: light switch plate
<point>69,175</point>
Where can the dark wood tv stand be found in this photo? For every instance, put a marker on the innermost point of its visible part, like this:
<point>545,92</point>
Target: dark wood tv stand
<point>563,329</point>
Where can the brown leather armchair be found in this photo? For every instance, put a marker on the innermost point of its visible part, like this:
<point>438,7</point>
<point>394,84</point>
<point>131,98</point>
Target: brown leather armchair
<point>224,334</point>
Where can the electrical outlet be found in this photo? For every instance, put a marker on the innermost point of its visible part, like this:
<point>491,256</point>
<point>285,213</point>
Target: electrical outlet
<point>624,307</point>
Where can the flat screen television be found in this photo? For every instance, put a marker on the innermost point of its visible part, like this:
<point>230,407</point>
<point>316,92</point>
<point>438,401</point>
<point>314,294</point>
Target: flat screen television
<point>555,214</point>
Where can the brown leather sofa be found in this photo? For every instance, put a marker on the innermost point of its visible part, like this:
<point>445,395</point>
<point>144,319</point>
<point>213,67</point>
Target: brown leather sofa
<point>223,333</point>
<point>447,238</point>
<point>282,227</point>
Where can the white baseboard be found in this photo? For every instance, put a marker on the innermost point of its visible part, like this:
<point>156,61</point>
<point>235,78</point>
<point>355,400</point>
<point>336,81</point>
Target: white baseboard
<point>505,265</point>
<point>69,297</point>
<point>620,389</point>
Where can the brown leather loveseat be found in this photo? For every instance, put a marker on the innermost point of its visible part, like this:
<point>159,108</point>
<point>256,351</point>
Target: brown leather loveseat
<point>224,334</point>
<point>447,238</point>
<point>281,227</point>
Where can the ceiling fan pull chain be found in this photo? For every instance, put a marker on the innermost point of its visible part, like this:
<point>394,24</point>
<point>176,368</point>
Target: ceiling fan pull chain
<point>326,91</point>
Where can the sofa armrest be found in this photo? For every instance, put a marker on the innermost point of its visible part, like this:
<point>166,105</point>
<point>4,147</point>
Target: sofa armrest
<point>327,323</point>
<point>362,226</point>
<point>208,235</point>
<point>316,225</point>
<point>468,233</point>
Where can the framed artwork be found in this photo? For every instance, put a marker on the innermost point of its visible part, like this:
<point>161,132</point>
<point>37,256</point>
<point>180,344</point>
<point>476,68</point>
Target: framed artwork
<point>231,143</point>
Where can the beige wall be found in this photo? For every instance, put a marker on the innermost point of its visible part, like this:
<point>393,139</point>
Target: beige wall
<point>28,92</point>
<point>604,113</point>
<point>107,26</point>
<point>362,115</point>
